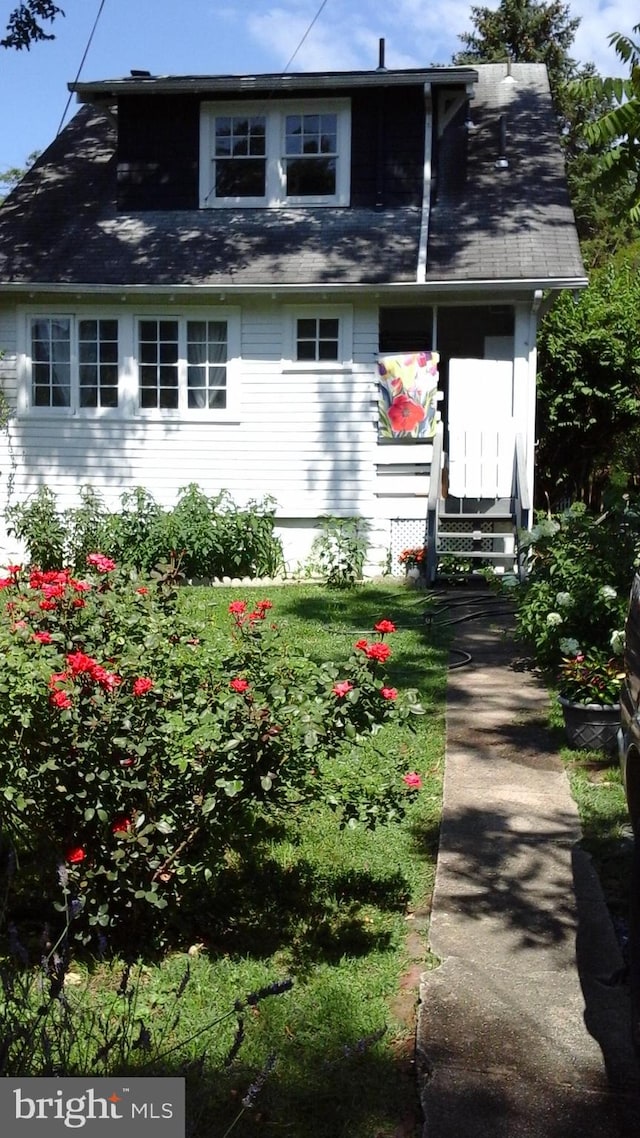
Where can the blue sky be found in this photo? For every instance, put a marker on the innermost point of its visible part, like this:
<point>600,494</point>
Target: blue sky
<point>190,37</point>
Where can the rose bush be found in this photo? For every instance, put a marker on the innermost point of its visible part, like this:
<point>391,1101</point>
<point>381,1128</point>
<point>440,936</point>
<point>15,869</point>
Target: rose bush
<point>137,751</point>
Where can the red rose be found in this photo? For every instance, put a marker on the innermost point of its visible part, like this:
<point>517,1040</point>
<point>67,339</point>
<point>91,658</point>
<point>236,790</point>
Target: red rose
<point>379,652</point>
<point>75,855</point>
<point>121,824</point>
<point>61,700</point>
<point>142,685</point>
<point>385,626</point>
<point>404,414</point>
<point>80,663</point>
<point>342,687</point>
<point>238,684</point>
<point>100,562</point>
<point>389,693</point>
<point>412,780</point>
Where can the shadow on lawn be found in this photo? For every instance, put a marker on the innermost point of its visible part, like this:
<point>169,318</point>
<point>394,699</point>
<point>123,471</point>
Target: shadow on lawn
<point>261,907</point>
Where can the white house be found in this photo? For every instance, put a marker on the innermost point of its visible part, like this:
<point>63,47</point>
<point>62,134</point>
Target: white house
<point>201,275</point>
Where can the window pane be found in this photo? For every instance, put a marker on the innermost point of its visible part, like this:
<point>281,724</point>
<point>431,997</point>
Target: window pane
<point>306,350</point>
<point>311,177</point>
<point>240,148</point>
<point>51,356</point>
<point>328,350</point>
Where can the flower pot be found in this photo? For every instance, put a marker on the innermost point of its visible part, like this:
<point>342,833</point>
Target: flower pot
<point>589,726</point>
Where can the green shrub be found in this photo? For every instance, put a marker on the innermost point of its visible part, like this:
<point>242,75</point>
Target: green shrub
<point>136,754</point>
<point>210,537</point>
<point>338,553</point>
<point>580,573</point>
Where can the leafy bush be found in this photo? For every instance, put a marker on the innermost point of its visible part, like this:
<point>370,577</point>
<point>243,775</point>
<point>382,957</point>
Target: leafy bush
<point>580,573</point>
<point>136,755</point>
<point>338,553</point>
<point>211,537</point>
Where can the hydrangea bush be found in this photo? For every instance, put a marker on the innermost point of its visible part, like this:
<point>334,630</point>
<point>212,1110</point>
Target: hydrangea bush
<point>136,754</point>
<point>580,572</point>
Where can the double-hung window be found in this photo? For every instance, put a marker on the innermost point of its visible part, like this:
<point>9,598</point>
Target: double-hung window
<point>74,362</point>
<point>278,153</point>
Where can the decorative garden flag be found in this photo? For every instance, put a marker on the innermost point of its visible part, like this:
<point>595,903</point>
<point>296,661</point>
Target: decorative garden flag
<point>407,399</point>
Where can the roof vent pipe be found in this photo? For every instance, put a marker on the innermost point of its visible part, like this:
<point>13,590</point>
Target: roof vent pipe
<point>381,63</point>
<point>502,162</point>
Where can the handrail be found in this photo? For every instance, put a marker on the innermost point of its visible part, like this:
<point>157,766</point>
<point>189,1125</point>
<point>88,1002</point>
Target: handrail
<point>432,505</point>
<point>522,502</point>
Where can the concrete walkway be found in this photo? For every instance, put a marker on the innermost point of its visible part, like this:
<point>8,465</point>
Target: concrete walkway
<point>520,1034</point>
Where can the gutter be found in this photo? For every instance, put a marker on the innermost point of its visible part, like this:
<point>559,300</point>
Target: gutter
<point>318,290</point>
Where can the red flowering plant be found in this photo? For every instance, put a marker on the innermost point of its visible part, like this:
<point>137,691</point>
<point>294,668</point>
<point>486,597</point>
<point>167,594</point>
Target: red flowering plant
<point>137,754</point>
<point>412,558</point>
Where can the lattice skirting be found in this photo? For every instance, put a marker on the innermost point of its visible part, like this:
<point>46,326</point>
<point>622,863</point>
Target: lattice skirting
<point>406,533</point>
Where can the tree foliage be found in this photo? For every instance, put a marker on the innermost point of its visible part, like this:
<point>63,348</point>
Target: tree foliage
<point>528,31</point>
<point>25,23</point>
<point>616,131</point>
<point>589,387</point>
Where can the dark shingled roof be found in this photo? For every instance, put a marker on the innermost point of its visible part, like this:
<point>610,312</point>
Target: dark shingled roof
<point>61,225</point>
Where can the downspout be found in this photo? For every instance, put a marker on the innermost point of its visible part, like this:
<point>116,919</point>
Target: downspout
<point>426,186</point>
<point>533,365</point>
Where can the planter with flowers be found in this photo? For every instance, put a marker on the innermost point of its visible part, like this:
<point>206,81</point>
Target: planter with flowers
<point>589,695</point>
<point>414,562</point>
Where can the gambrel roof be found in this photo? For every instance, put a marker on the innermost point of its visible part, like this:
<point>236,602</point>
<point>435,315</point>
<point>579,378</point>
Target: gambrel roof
<point>498,208</point>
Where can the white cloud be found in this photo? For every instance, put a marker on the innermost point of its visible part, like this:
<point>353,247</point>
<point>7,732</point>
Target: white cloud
<point>416,33</point>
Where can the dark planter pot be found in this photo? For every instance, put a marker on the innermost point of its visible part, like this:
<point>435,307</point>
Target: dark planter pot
<point>590,727</point>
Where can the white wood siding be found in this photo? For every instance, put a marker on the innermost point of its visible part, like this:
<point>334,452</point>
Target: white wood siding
<point>304,436</point>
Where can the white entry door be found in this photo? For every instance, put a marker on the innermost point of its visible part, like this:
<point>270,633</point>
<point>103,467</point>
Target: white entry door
<point>481,428</point>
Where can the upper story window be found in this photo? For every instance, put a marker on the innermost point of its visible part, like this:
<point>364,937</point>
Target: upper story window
<point>280,153</point>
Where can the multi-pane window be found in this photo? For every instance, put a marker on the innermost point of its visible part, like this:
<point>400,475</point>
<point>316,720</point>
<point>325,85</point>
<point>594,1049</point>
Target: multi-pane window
<point>317,338</point>
<point>165,362</point>
<point>240,156</point>
<point>98,363</point>
<point>182,365</point>
<point>276,152</point>
<point>311,154</point>
<point>51,361</point>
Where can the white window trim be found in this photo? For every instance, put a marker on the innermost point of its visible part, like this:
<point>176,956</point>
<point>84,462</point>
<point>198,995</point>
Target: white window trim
<point>275,113</point>
<point>128,400</point>
<point>343,313</point>
<point>183,412</point>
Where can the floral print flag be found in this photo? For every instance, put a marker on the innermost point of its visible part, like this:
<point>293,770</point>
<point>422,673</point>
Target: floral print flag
<point>407,400</point>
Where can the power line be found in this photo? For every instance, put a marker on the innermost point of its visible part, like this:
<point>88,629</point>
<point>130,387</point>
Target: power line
<point>316,17</point>
<point>82,62</point>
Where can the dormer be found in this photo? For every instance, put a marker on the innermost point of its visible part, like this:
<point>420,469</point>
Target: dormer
<point>343,139</point>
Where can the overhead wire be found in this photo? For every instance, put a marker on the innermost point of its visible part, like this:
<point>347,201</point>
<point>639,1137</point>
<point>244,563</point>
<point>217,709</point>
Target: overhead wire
<point>314,20</point>
<point>82,63</point>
